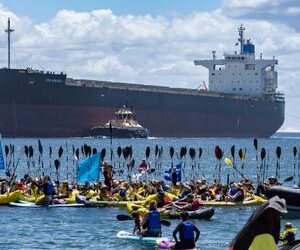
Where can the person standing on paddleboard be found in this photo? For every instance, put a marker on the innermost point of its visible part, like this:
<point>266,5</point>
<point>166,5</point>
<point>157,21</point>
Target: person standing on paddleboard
<point>47,188</point>
<point>186,231</point>
<point>151,223</point>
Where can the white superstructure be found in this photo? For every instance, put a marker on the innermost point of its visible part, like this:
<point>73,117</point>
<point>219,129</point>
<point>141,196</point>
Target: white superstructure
<point>241,73</point>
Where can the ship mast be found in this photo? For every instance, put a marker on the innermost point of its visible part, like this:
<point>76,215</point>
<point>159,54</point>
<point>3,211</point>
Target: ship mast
<point>8,30</point>
<point>241,38</point>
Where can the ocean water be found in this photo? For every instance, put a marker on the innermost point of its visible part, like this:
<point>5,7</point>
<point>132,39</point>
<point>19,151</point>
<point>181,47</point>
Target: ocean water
<point>96,228</point>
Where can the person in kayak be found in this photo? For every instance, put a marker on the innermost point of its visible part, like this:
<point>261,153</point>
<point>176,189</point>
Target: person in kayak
<point>235,193</point>
<point>190,204</point>
<point>143,166</point>
<point>108,176</point>
<point>151,223</point>
<point>162,199</point>
<point>186,233</point>
<point>288,235</point>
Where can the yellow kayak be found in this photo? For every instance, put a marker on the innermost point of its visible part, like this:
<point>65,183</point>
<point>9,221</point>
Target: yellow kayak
<point>255,201</point>
<point>5,199</point>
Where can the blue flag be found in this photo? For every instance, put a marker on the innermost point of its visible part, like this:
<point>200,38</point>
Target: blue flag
<point>88,169</point>
<point>2,164</point>
<point>168,173</point>
<point>178,172</point>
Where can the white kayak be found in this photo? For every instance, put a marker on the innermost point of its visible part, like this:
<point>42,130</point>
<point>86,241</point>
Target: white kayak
<point>130,236</point>
<point>33,205</point>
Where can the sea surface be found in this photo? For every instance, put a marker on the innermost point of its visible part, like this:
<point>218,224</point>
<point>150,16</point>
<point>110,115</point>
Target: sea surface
<point>96,228</point>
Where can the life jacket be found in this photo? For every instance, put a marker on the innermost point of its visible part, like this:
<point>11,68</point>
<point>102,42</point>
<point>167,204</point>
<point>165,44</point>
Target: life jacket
<point>154,220</point>
<point>286,232</point>
<point>48,188</point>
<point>188,230</point>
<point>196,205</point>
<point>33,191</point>
<point>233,191</point>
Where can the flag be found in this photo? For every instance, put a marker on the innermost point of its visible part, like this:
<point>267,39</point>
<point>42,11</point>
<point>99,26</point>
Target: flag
<point>177,170</point>
<point>2,164</point>
<point>88,168</point>
<point>167,175</point>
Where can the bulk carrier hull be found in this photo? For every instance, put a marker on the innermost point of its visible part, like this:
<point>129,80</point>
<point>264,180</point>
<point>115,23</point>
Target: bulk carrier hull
<point>33,104</point>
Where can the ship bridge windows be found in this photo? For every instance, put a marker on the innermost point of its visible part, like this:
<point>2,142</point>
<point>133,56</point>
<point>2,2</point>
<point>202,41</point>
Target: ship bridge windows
<point>249,66</point>
<point>219,66</point>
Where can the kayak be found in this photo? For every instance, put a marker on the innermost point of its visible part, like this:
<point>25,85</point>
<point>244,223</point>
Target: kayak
<point>204,214</point>
<point>11,197</point>
<point>93,203</point>
<point>201,214</point>
<point>292,246</point>
<point>33,205</point>
<point>291,195</point>
<point>253,202</point>
<point>134,237</point>
<point>167,244</point>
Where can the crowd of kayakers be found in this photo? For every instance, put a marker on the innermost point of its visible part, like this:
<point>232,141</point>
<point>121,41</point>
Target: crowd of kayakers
<point>155,195</point>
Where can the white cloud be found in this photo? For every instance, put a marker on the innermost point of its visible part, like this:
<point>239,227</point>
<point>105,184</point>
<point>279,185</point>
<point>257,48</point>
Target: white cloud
<point>153,50</point>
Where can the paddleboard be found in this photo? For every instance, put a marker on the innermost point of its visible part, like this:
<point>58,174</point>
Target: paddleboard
<point>168,244</point>
<point>129,236</point>
<point>33,205</point>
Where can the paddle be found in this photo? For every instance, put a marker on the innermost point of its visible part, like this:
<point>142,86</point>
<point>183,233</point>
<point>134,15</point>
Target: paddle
<point>40,147</point>
<point>26,150</point>
<point>242,155</point>
<point>6,154</point>
<point>155,153</point>
<point>171,155</point>
<point>288,179</point>
<point>147,153</point>
<point>160,152</point>
<point>50,160</point>
<point>263,162</point>
<point>295,155</point>
<point>57,164</point>
<point>103,153</point>
<point>124,217</point>
<point>278,154</point>
<point>111,137</point>
<point>255,144</point>
<point>200,154</point>
<point>219,155</point>
<point>30,154</point>
<point>229,162</point>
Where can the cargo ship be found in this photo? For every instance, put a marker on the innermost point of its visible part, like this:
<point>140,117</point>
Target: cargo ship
<point>242,101</point>
<point>124,125</point>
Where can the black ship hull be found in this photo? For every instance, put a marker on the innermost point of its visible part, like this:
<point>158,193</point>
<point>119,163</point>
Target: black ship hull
<point>31,107</point>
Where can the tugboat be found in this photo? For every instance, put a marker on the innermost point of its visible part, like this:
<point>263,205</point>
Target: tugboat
<point>123,126</point>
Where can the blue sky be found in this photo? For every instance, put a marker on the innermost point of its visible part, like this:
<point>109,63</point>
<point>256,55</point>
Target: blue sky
<point>42,10</point>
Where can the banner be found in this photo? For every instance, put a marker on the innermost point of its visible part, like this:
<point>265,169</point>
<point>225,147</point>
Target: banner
<point>2,164</point>
<point>88,169</point>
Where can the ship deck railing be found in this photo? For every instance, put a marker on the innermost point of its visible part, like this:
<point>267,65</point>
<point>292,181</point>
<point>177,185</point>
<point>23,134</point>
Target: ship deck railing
<point>164,89</point>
